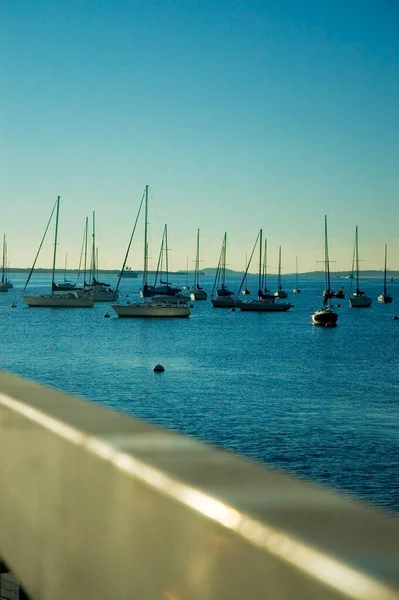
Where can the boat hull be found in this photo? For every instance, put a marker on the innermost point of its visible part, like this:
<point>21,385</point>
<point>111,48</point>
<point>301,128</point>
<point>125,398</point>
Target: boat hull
<point>280,294</point>
<point>4,287</point>
<point>360,302</point>
<point>199,295</point>
<point>149,310</point>
<point>385,299</point>
<point>325,318</point>
<point>58,302</point>
<point>226,302</point>
<point>261,306</point>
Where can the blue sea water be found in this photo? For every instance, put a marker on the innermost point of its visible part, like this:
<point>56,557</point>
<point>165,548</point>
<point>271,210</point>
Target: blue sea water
<point>320,403</point>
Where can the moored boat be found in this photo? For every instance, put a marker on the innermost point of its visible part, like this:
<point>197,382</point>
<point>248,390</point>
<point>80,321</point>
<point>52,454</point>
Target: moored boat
<point>385,298</point>
<point>358,299</point>
<point>221,296</point>
<point>198,293</point>
<point>280,292</point>
<point>326,315</point>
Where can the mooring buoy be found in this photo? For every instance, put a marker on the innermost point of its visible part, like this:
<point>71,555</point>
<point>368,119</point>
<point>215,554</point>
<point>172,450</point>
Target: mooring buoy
<point>106,316</point>
<point>395,318</point>
<point>158,368</point>
<point>13,305</point>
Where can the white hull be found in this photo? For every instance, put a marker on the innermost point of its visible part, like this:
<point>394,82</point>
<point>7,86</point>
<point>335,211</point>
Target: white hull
<point>150,310</point>
<point>264,306</point>
<point>58,301</point>
<point>227,302</point>
<point>384,298</point>
<point>360,302</point>
<point>280,294</point>
<point>199,295</point>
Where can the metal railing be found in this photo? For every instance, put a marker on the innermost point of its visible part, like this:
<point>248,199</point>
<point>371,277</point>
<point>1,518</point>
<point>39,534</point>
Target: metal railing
<point>96,505</point>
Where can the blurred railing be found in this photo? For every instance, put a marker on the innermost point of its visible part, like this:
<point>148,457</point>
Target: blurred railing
<point>96,505</point>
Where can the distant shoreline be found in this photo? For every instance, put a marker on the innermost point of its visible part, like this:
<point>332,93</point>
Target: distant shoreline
<point>210,272</point>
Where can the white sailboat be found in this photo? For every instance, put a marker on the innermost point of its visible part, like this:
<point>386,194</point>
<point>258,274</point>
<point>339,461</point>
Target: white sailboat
<point>296,290</point>
<point>55,300</point>
<point>198,293</point>
<point>98,290</point>
<point>265,302</point>
<point>385,297</point>
<point>149,307</point>
<point>326,315</point>
<point>280,293</point>
<point>358,299</point>
<point>222,297</point>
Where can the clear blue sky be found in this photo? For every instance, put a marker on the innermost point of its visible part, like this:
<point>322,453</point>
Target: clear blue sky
<point>240,114</point>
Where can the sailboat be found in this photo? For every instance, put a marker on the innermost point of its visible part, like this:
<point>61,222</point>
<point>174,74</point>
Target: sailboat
<point>150,307</point>
<point>100,291</point>
<point>198,293</point>
<point>66,285</point>
<point>280,293</point>
<point>326,316</point>
<point>264,302</point>
<point>5,285</point>
<point>385,297</point>
<point>296,290</point>
<point>65,300</point>
<point>358,299</point>
<point>164,289</point>
<point>223,298</point>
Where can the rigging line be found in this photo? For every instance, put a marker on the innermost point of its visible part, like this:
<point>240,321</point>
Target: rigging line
<point>248,265</point>
<point>217,274</point>
<point>40,247</point>
<point>128,247</point>
<point>81,255</point>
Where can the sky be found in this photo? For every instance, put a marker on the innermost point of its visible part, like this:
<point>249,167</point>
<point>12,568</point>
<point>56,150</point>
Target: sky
<point>239,114</point>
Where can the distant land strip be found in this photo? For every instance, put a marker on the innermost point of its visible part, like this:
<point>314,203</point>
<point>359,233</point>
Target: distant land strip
<point>211,271</point>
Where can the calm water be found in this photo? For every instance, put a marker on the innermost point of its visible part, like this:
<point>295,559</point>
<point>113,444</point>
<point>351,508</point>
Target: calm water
<point>321,403</point>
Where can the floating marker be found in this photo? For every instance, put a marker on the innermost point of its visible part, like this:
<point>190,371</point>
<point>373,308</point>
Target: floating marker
<point>106,316</point>
<point>395,318</point>
<point>13,305</point>
<point>158,368</point>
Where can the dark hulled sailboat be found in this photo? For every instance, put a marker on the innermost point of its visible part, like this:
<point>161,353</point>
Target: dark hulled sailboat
<point>326,316</point>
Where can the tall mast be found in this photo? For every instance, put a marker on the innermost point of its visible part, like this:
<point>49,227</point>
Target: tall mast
<point>65,267</point>
<point>93,249</point>
<point>260,261</point>
<point>97,262</point>
<point>279,269</point>
<point>326,259</point>
<point>357,260</point>
<point>385,271</point>
<point>296,266</point>
<point>264,272</point>
<point>4,258</point>
<point>224,260</point>
<point>55,239</point>
<point>166,254</point>
<point>197,261</point>
<point>6,265</point>
<point>145,238</point>
<point>186,271</point>
<point>85,242</point>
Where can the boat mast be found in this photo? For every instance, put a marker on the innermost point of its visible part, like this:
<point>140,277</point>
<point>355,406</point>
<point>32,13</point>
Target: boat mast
<point>264,278</point>
<point>187,272</point>
<point>55,240</point>
<point>357,260</point>
<point>4,257</point>
<point>7,266</point>
<point>145,238</point>
<point>197,261</point>
<point>65,268</point>
<point>224,260</point>
<point>326,261</point>
<point>296,265</point>
<point>85,243</point>
<point>279,269</point>
<point>166,255</point>
<point>260,264</point>
<point>385,271</point>
<point>93,250</point>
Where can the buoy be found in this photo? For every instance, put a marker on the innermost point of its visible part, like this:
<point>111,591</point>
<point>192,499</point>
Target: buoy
<point>338,305</point>
<point>233,310</point>
<point>106,316</point>
<point>191,305</point>
<point>158,368</point>
<point>13,305</point>
<point>395,318</point>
